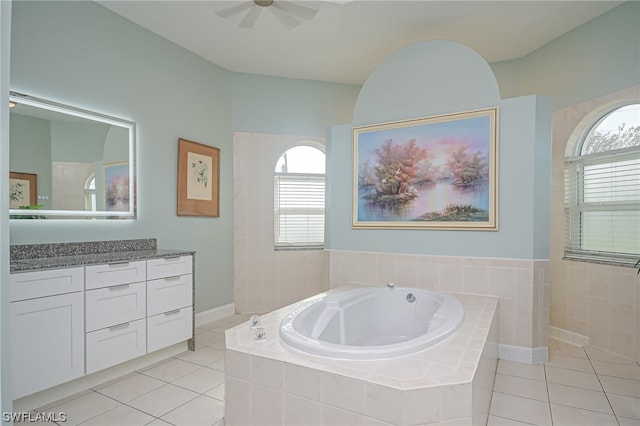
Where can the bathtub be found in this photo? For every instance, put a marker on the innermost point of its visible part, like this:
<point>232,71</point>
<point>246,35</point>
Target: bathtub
<point>372,322</point>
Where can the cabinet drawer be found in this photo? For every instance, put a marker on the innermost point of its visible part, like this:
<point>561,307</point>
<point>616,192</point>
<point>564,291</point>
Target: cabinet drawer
<point>166,294</point>
<point>169,328</point>
<point>169,267</point>
<point>115,305</point>
<point>98,276</point>
<point>113,345</point>
<point>29,285</point>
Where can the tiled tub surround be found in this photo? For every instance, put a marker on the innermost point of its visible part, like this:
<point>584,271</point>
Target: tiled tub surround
<point>54,274</point>
<point>521,285</point>
<point>268,383</point>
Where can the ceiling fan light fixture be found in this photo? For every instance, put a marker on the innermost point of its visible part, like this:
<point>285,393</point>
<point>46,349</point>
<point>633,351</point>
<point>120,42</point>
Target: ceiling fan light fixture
<point>263,3</point>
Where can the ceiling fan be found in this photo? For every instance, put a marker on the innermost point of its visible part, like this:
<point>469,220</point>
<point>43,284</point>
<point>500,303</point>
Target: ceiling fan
<point>288,13</point>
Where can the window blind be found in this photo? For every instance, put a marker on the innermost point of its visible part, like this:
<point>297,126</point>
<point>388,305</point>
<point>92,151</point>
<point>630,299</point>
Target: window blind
<point>299,210</point>
<point>602,206</point>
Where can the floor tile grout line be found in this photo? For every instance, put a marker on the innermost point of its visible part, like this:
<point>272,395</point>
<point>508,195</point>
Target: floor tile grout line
<point>546,383</point>
<point>602,387</point>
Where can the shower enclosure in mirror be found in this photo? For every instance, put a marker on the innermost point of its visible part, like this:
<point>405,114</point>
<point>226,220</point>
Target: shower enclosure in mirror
<point>84,162</point>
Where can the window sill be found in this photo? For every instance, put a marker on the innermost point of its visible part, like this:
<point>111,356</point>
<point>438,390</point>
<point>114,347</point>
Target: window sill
<point>602,261</point>
<point>288,248</point>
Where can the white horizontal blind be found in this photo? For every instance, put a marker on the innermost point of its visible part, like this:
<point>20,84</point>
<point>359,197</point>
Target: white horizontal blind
<point>299,210</point>
<point>602,206</point>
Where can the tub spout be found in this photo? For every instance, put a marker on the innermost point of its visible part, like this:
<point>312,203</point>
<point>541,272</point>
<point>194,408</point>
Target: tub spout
<point>391,285</point>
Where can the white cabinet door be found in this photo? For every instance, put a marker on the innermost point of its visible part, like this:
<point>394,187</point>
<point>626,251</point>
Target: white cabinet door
<point>47,342</point>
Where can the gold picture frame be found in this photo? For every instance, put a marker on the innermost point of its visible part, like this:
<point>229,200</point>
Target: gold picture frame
<point>198,179</point>
<point>438,172</point>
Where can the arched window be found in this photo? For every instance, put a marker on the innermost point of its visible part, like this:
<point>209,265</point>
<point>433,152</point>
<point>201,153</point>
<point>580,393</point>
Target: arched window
<point>602,190</point>
<point>299,198</point>
<point>90,193</point>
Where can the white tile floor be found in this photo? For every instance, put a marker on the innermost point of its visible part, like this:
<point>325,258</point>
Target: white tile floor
<point>577,387</point>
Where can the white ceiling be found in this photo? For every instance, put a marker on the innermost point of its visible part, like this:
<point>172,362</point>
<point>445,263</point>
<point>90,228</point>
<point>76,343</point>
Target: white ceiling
<point>344,42</point>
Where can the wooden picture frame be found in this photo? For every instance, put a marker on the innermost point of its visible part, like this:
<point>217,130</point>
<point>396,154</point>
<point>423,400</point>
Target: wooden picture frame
<point>198,179</point>
<point>436,172</point>
<point>23,190</point>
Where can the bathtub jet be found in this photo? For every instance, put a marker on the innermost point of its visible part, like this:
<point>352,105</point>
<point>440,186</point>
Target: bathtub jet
<point>372,322</point>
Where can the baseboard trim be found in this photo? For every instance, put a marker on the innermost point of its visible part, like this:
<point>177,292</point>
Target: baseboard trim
<point>214,314</point>
<point>568,336</point>
<point>538,355</point>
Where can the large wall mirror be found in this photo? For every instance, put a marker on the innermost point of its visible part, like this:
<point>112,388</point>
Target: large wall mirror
<point>69,163</point>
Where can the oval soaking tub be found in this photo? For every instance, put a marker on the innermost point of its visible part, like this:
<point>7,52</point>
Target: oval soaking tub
<point>372,322</point>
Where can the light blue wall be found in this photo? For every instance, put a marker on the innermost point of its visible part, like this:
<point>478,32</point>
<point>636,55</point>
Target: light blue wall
<point>81,54</point>
<point>287,106</point>
<point>32,135</point>
<point>597,58</point>
<point>78,142</point>
<point>407,85</point>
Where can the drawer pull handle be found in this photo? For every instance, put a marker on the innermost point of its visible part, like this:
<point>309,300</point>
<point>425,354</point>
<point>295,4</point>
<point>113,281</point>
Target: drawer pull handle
<point>177,311</point>
<point>119,287</point>
<point>119,326</point>
<point>170,258</point>
<point>118,264</point>
<point>174,278</point>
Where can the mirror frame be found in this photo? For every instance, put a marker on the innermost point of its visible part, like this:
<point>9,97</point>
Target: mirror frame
<point>20,98</point>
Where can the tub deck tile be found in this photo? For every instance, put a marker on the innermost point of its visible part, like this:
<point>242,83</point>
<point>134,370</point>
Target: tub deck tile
<point>444,372</point>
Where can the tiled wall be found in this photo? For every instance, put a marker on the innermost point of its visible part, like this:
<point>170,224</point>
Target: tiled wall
<point>521,285</point>
<point>266,279</point>
<point>69,179</point>
<point>601,302</point>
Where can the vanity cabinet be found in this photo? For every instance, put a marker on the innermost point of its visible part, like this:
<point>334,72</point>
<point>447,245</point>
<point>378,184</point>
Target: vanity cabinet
<point>169,301</point>
<point>115,302</point>
<point>47,328</point>
<point>72,321</point>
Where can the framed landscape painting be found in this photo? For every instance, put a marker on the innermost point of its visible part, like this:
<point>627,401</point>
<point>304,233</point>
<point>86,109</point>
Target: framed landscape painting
<point>116,186</point>
<point>435,172</point>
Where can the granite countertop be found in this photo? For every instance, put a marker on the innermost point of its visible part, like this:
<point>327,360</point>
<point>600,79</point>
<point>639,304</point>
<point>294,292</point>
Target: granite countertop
<point>53,256</point>
<point>55,262</point>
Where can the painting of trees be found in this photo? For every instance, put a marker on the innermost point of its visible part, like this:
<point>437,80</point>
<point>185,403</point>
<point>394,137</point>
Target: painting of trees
<point>430,172</point>
<point>398,166</point>
<point>467,169</point>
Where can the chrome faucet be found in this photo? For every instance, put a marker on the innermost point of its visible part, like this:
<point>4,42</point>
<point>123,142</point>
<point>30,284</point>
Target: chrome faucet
<point>391,285</point>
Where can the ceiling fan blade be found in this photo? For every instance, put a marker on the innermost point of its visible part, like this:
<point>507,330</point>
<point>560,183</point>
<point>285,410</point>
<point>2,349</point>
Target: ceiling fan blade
<point>229,11</point>
<point>285,18</point>
<point>297,10</point>
<point>251,17</point>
